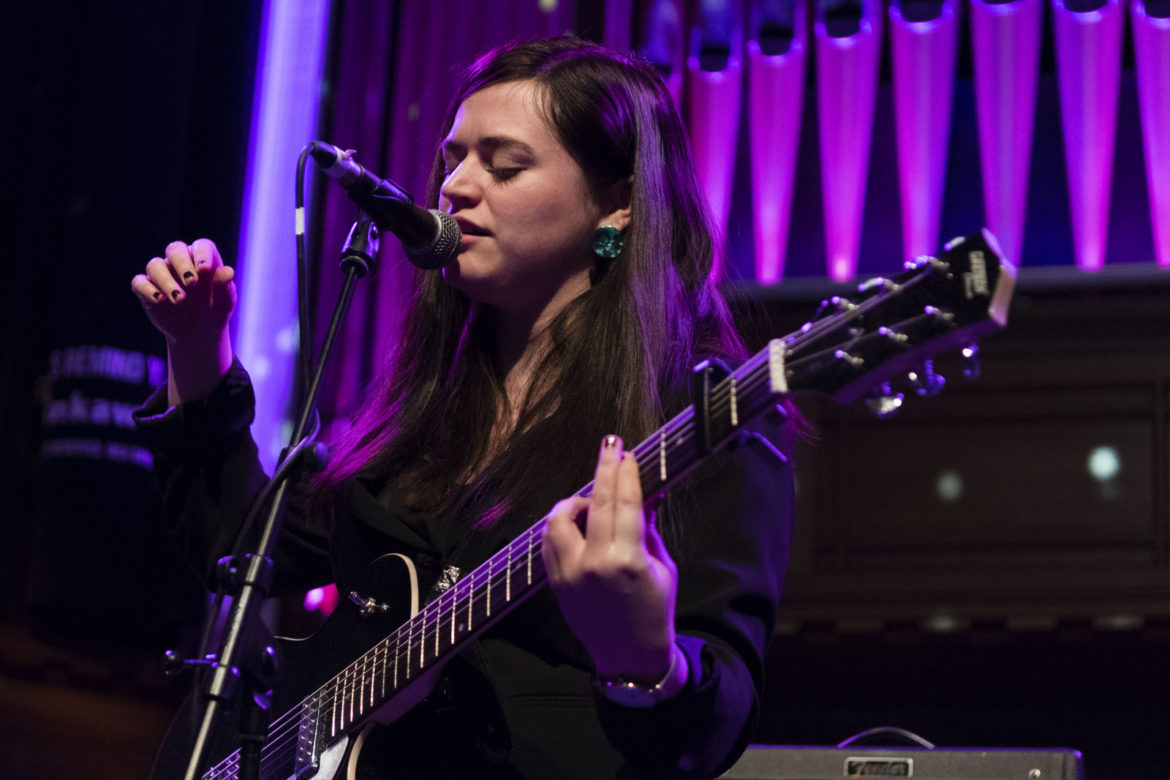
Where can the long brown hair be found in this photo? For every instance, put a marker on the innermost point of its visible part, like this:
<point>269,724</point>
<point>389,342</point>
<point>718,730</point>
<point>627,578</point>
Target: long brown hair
<point>619,355</point>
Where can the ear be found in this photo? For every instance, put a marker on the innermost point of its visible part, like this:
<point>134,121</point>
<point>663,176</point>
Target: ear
<point>616,204</point>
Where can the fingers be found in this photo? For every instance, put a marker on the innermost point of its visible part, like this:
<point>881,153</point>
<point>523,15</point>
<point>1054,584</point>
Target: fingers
<point>657,549</point>
<point>563,540</point>
<point>160,274</point>
<point>599,526</point>
<point>205,255</point>
<point>615,515</point>
<point>146,290</point>
<point>182,264</point>
<point>629,519</point>
<point>180,272</point>
<point>223,290</point>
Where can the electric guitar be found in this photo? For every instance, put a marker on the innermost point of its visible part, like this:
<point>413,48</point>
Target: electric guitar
<point>379,654</point>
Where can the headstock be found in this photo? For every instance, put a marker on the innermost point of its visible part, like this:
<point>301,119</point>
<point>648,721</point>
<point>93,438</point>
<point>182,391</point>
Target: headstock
<point>896,325</point>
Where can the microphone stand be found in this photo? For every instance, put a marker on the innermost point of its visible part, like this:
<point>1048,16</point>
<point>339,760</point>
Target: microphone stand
<point>247,651</point>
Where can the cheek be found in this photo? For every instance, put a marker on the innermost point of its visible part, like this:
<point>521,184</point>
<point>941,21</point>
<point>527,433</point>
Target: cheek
<point>555,217</point>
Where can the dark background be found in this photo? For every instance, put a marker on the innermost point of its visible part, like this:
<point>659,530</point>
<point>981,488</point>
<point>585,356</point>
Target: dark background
<point>1032,613</point>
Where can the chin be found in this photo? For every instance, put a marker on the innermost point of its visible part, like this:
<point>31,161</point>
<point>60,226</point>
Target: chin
<point>477,287</point>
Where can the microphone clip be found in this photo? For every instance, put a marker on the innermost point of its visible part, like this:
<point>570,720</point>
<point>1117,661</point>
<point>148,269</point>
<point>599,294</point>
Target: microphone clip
<point>361,245</point>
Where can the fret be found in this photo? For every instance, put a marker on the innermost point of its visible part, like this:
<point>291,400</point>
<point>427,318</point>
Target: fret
<point>359,691</point>
<point>371,679</point>
<point>734,411</point>
<point>422,641</point>
<point>334,705</point>
<point>395,666</point>
<point>528,559</point>
<point>356,707</point>
<point>454,609</point>
<point>508,576</point>
<point>351,693</point>
<point>489,585</point>
<point>438,624</point>
<point>383,667</point>
<point>343,699</point>
<point>662,454</point>
<point>470,600</point>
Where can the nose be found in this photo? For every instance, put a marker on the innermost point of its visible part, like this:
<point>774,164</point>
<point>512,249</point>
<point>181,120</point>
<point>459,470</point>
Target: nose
<point>459,188</point>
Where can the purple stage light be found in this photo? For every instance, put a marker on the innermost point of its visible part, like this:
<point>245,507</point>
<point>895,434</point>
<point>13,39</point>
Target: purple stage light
<point>775,106</point>
<point>664,44</point>
<point>847,70</point>
<point>923,55</point>
<point>714,86</point>
<point>1005,40</point>
<point>1088,65</point>
<point>284,118</point>
<point>1151,43</point>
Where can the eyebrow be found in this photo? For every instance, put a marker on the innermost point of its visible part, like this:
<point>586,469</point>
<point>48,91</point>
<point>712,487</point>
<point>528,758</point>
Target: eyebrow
<point>494,143</point>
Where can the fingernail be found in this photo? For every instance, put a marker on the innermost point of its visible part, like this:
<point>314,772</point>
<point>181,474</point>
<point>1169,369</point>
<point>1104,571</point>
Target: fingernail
<point>177,294</point>
<point>158,296</point>
<point>609,442</point>
<point>189,276</point>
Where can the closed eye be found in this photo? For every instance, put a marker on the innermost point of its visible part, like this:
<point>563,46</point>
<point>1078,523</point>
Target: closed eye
<point>503,174</point>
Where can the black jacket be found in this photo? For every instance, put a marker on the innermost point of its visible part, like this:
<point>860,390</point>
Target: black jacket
<point>519,702</point>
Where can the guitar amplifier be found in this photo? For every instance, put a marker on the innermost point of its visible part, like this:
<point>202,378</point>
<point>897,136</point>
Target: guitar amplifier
<point>768,762</point>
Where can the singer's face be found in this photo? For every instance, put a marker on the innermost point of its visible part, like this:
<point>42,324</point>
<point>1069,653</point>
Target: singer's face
<point>523,204</point>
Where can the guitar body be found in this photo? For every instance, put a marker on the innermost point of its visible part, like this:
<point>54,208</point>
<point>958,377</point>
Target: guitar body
<point>305,666</point>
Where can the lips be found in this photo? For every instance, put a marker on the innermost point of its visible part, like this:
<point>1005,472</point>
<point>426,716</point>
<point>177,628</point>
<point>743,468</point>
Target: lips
<point>469,228</point>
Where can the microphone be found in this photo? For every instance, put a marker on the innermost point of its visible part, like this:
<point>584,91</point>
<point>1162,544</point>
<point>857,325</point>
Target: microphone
<point>430,238</point>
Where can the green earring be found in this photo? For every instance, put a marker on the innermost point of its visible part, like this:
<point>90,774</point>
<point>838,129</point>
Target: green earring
<point>607,242</point>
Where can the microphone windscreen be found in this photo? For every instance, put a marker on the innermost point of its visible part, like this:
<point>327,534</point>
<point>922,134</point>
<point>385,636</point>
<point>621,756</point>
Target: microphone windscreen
<point>443,249</point>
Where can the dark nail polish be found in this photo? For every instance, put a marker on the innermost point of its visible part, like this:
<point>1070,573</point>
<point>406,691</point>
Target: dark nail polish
<point>609,442</point>
<point>177,294</point>
<point>188,277</point>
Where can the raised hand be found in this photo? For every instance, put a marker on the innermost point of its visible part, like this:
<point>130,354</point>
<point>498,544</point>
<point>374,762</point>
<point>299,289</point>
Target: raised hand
<point>189,295</point>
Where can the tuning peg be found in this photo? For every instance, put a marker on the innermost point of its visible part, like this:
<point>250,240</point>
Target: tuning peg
<point>853,361</point>
<point>895,337</point>
<point>971,367</point>
<point>924,260</point>
<point>940,317</point>
<point>925,380</point>
<point>883,402</point>
<point>833,305</point>
<point>878,283</point>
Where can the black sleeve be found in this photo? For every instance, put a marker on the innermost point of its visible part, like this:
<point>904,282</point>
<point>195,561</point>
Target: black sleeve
<point>732,555</point>
<point>206,462</point>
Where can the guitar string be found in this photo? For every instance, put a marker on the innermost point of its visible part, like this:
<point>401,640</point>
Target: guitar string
<point>678,430</point>
<point>867,336</point>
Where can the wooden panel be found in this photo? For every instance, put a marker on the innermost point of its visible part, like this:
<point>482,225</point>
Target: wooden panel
<point>1032,538</point>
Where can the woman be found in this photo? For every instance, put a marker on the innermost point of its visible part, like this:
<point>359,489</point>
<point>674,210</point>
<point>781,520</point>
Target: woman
<point>573,314</point>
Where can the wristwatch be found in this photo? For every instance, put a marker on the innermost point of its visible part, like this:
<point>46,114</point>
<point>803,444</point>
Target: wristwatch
<point>629,693</point>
